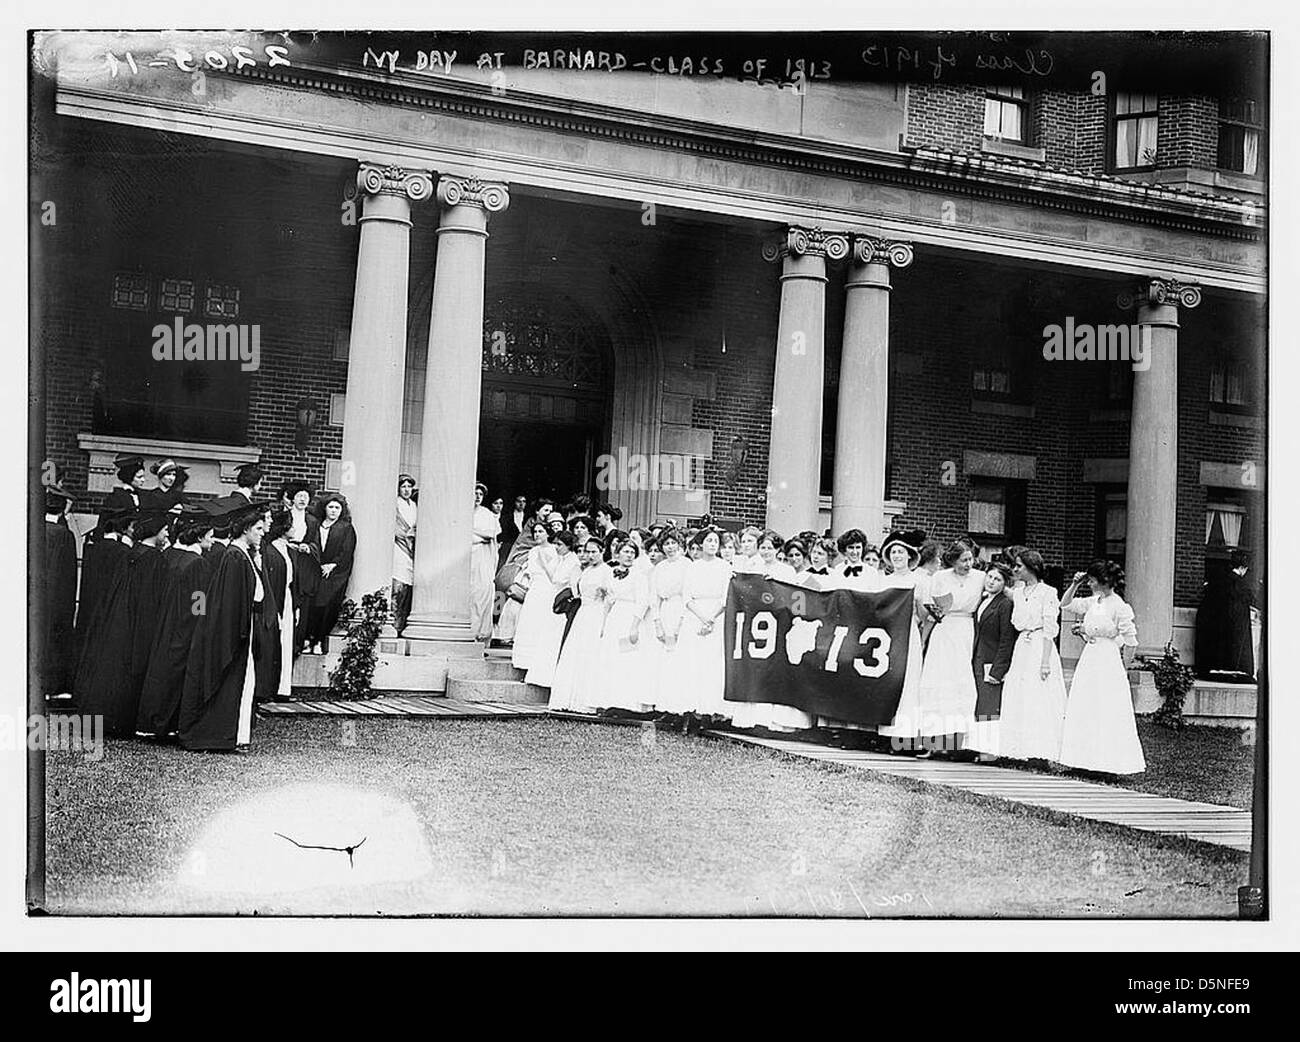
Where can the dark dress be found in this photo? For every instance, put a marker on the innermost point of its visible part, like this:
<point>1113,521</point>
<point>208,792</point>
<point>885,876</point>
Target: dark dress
<point>338,550</point>
<point>164,680</point>
<point>995,639</point>
<point>163,499</point>
<point>506,540</point>
<point>266,632</point>
<point>59,603</point>
<point>1224,643</point>
<point>115,657</point>
<point>217,666</point>
<point>123,499</point>
<point>306,579</point>
<point>100,557</point>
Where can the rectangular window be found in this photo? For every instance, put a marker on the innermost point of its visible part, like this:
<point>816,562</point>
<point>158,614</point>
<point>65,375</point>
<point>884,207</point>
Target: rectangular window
<point>1136,131</point>
<point>1006,114</point>
<point>1230,385</point>
<point>1241,136</point>
<point>991,382</point>
<point>995,514</point>
<point>1112,524</point>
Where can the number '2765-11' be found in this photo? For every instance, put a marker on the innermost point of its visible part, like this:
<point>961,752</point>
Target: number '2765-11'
<point>763,634</point>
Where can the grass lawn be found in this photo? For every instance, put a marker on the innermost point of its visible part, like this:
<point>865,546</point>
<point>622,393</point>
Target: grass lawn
<point>1206,764</point>
<point>558,817</point>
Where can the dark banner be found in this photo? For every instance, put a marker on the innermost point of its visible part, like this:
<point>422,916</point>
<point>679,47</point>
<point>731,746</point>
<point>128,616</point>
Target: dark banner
<point>841,653</point>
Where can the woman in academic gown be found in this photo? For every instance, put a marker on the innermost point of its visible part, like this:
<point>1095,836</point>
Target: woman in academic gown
<point>1100,732</point>
<point>336,543</point>
<point>1224,648</point>
<point>217,706</point>
<point>995,638</point>
<point>302,538</point>
<point>576,685</point>
<point>103,550</point>
<point>115,657</point>
<point>170,493</point>
<point>273,638</point>
<point>128,495</point>
<point>1033,693</point>
<point>189,570</point>
<point>59,594</point>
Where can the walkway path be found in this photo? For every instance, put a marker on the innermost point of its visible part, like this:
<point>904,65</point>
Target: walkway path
<point>1205,822</point>
<point>403,705</point>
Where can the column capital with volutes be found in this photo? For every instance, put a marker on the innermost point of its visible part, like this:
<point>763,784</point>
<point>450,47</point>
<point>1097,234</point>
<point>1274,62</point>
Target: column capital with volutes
<point>375,179</point>
<point>808,242</point>
<point>870,249</point>
<point>1156,292</point>
<point>454,190</point>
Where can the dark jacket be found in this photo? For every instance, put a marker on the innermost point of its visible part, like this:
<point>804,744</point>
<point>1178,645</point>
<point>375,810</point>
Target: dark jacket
<point>995,638</point>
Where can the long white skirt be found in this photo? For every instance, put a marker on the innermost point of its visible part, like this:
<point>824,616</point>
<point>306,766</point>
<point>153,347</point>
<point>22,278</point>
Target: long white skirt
<point>947,690</point>
<point>1033,709</point>
<point>702,666</point>
<point>532,623</point>
<point>1100,732</point>
<point>547,647</point>
<point>907,718</point>
<point>671,687</point>
<point>574,686</point>
<point>285,687</point>
<point>482,577</point>
<point>626,673</point>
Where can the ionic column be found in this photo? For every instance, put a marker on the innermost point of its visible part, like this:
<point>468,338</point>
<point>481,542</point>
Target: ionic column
<point>858,499</point>
<point>372,430</point>
<point>1153,460</point>
<point>449,442</point>
<point>795,453</point>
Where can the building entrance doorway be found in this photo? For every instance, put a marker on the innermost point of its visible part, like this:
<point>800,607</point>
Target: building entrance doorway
<point>545,412</point>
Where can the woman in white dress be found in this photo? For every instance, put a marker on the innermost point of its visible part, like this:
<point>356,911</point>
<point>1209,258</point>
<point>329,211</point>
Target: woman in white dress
<point>727,547</point>
<point>575,688</point>
<point>854,573</point>
<point>796,556</point>
<point>1033,691</point>
<point>902,553</point>
<point>1100,732</point>
<point>927,566</point>
<point>562,571</point>
<point>700,640</point>
<point>482,566</point>
<point>771,715</point>
<point>817,575</point>
<point>623,654</point>
<point>947,692</point>
<point>747,560</point>
<point>667,612</point>
<point>536,602</point>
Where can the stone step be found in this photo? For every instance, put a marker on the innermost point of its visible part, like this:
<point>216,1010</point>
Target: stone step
<point>483,669</point>
<point>513,691</point>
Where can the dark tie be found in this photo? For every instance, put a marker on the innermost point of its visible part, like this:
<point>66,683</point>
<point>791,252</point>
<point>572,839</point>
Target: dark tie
<point>852,569</point>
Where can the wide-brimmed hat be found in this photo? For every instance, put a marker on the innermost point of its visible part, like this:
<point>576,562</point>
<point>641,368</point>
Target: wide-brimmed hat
<point>910,541</point>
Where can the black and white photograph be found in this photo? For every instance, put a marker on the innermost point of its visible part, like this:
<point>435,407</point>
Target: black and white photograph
<point>809,474</point>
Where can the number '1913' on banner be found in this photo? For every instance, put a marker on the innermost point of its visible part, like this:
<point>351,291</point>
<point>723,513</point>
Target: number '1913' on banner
<point>839,653</point>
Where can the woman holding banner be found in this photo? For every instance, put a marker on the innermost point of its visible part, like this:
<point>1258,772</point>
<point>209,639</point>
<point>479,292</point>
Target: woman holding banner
<point>902,553</point>
<point>699,641</point>
<point>771,715</point>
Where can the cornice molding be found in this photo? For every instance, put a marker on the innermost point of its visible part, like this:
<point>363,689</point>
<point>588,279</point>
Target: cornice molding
<point>979,176</point>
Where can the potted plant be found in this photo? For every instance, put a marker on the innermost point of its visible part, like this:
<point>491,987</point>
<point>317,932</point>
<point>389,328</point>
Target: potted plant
<point>1173,680</point>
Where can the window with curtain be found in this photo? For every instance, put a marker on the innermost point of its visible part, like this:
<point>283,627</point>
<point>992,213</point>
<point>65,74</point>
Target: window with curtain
<point>1136,130</point>
<point>1241,136</point>
<point>1223,525</point>
<point>995,513</point>
<point>1006,114</point>
<point>1230,384</point>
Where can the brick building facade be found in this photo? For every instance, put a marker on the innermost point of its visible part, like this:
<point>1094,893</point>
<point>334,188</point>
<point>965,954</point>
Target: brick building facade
<point>662,259</point>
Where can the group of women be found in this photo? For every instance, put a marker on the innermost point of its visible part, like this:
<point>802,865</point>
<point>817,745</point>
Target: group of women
<point>188,613</point>
<point>631,622</point>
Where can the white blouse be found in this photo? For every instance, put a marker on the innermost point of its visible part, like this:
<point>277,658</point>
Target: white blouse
<point>1105,619</point>
<point>1036,608</point>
